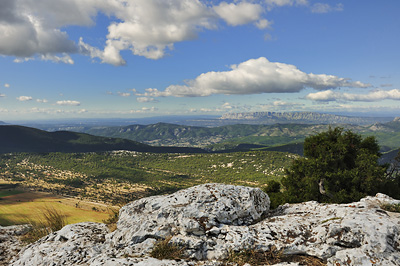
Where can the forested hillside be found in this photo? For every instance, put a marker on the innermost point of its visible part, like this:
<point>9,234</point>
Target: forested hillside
<point>25,139</point>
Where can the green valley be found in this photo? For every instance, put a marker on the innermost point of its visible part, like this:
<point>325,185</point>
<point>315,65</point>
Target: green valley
<point>121,176</point>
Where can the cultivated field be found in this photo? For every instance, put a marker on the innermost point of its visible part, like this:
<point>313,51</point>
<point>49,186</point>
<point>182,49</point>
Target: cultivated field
<point>20,207</point>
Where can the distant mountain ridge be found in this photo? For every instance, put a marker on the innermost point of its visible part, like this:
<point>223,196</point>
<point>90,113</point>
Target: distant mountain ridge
<point>182,138</point>
<point>230,136</point>
<point>171,134</point>
<point>26,139</point>
<point>302,118</point>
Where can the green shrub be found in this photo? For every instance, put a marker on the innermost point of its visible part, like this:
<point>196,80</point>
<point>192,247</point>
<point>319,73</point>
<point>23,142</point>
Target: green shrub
<point>391,207</point>
<point>74,182</point>
<point>339,166</point>
<point>276,198</point>
<point>273,186</point>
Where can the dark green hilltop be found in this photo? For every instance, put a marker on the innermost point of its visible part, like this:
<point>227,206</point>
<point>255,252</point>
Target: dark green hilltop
<point>25,139</point>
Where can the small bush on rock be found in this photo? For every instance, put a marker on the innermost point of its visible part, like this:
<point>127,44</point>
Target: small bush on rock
<point>391,207</point>
<point>275,195</point>
<point>164,249</point>
<point>253,257</point>
<point>272,256</point>
<point>112,220</point>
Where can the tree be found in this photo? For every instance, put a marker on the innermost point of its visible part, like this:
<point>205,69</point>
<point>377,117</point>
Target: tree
<point>392,185</point>
<point>339,166</point>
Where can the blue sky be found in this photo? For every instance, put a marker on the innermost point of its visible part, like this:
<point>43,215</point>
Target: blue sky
<point>136,58</point>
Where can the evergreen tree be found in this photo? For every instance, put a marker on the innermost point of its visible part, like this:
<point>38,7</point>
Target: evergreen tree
<point>339,166</point>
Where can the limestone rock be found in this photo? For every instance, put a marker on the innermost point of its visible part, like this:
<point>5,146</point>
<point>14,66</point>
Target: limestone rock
<point>74,244</point>
<point>10,244</point>
<point>194,211</point>
<point>211,220</point>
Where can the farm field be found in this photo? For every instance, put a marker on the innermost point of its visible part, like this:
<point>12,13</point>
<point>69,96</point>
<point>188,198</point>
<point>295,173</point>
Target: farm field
<point>21,207</point>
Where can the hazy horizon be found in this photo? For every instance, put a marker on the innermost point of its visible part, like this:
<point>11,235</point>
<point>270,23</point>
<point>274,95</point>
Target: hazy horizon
<point>172,119</point>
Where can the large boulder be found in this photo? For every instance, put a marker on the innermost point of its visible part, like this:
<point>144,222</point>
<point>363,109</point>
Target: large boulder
<point>193,211</point>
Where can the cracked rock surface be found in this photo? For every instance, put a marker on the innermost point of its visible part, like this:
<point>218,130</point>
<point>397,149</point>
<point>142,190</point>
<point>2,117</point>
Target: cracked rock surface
<point>211,220</point>
<point>10,244</point>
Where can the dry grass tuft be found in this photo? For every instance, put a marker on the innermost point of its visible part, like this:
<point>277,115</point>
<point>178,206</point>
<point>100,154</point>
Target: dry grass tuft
<point>254,257</point>
<point>112,219</point>
<point>163,249</point>
<point>306,260</point>
<point>270,257</point>
<point>52,220</point>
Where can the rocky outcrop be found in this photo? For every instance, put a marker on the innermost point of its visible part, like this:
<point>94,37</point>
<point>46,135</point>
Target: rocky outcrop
<point>10,243</point>
<point>193,211</point>
<point>211,221</point>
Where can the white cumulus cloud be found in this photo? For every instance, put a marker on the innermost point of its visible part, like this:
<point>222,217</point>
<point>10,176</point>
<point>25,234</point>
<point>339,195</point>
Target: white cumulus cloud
<point>323,96</point>
<point>2,95</point>
<point>150,27</point>
<point>68,102</point>
<point>263,24</point>
<point>24,98</point>
<point>253,77</point>
<point>26,31</point>
<point>38,29</point>
<point>6,85</point>
<point>373,96</point>
<point>241,13</point>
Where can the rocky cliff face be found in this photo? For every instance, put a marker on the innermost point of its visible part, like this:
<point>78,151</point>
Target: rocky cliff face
<point>212,221</point>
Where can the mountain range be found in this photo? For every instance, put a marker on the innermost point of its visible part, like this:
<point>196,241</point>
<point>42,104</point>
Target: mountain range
<point>283,138</point>
<point>230,136</point>
<point>300,118</point>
